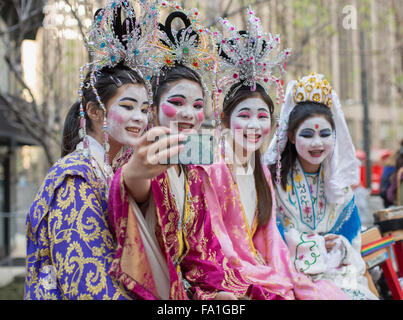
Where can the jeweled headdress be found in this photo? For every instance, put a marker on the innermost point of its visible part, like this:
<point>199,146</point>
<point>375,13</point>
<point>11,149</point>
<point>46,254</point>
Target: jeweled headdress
<point>250,56</point>
<point>117,37</point>
<point>191,44</point>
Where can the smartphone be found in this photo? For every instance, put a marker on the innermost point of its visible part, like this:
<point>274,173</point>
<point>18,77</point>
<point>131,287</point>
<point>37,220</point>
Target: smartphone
<point>199,149</point>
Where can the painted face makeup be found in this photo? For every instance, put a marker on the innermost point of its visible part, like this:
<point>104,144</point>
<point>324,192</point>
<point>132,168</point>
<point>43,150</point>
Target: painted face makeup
<point>127,114</point>
<point>250,123</point>
<point>182,107</point>
<point>314,141</point>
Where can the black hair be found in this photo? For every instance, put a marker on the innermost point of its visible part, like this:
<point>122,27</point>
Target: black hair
<point>108,80</point>
<point>178,71</point>
<point>234,97</point>
<point>169,75</point>
<point>301,112</point>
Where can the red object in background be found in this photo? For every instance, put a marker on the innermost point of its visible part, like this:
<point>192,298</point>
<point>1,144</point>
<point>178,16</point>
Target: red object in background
<point>384,153</point>
<point>376,175</point>
<point>377,158</point>
<point>360,155</point>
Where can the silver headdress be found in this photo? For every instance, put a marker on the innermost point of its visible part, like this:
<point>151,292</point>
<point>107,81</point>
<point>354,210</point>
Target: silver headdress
<point>117,37</point>
<point>250,56</point>
<point>112,41</point>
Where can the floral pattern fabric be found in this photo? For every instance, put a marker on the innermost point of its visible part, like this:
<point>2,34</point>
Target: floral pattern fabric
<point>69,245</point>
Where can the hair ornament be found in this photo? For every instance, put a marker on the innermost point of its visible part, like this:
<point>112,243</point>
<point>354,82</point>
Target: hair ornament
<point>181,39</point>
<point>116,36</point>
<point>250,56</point>
<point>313,87</point>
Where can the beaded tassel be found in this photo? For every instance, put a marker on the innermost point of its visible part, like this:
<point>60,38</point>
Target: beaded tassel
<point>219,146</point>
<point>107,166</point>
<point>278,157</point>
<point>83,122</point>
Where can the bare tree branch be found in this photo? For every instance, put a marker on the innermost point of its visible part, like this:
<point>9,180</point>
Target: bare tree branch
<point>20,80</point>
<point>80,25</point>
<point>28,126</point>
<point>17,26</point>
<point>227,14</point>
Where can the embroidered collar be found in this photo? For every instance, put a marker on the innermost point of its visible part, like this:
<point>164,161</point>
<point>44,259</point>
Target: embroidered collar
<point>103,171</point>
<point>311,203</point>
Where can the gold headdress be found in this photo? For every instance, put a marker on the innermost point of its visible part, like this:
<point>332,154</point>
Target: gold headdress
<point>313,87</point>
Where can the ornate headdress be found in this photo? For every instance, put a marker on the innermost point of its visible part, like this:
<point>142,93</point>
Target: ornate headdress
<point>192,45</point>
<point>313,88</point>
<point>341,169</point>
<point>250,57</point>
<point>112,42</point>
<point>247,58</point>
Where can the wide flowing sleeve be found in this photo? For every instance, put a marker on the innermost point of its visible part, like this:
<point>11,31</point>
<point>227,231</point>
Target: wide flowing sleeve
<point>348,226</point>
<point>82,246</point>
<point>130,264</point>
<point>205,266</point>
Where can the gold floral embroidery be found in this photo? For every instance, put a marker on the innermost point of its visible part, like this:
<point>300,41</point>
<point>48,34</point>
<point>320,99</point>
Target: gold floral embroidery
<point>66,224</point>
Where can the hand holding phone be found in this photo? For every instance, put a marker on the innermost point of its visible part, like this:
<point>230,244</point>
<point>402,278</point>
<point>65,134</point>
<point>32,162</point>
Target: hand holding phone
<point>198,149</point>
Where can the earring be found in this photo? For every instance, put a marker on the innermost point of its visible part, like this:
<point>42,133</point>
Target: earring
<point>84,146</point>
<point>107,166</point>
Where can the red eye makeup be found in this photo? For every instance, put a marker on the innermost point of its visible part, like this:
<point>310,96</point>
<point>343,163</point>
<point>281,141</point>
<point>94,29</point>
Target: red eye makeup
<point>263,115</point>
<point>177,101</point>
<point>244,114</point>
<point>198,105</point>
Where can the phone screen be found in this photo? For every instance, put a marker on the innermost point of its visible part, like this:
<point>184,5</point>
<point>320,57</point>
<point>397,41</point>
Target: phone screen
<point>199,149</point>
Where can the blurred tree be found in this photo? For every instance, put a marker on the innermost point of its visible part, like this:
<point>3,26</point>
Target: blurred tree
<point>60,27</point>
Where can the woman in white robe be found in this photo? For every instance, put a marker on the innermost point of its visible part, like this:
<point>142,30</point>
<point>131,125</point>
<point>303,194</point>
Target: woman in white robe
<point>313,160</point>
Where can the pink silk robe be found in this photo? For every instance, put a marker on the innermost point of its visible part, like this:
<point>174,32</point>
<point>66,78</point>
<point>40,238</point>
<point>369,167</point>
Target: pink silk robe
<point>198,254</point>
<point>260,254</point>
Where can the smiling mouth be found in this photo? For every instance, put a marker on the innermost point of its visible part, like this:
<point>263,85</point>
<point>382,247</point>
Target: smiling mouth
<point>316,153</point>
<point>185,126</point>
<point>252,137</point>
<point>133,130</point>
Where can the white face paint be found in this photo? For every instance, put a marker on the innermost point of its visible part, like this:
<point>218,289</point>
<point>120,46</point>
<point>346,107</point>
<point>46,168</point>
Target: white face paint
<point>314,141</point>
<point>182,107</point>
<point>127,114</point>
<point>250,123</point>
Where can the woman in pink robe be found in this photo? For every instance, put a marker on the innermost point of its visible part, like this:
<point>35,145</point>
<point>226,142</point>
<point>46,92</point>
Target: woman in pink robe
<point>242,204</point>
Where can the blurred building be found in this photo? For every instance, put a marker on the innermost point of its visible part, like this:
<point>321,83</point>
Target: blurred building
<point>13,138</point>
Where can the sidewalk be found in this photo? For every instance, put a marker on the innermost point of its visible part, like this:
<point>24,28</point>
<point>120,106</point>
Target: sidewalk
<point>8,272</point>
